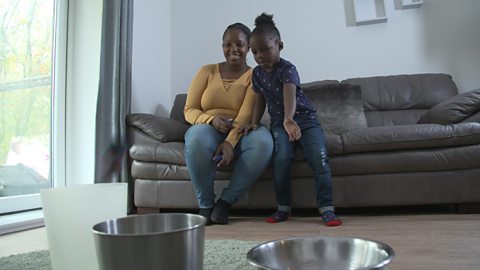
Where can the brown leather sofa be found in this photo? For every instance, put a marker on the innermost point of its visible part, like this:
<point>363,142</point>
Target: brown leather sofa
<point>392,140</point>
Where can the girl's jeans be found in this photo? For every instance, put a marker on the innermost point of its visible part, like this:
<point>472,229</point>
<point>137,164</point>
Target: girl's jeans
<point>314,147</point>
<point>252,155</point>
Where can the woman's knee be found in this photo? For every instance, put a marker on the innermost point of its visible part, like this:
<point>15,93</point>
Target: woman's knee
<point>260,140</point>
<point>200,137</point>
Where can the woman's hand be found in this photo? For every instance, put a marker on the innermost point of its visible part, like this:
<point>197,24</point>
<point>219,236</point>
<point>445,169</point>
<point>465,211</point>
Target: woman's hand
<point>247,128</point>
<point>292,129</point>
<point>222,123</point>
<point>226,149</point>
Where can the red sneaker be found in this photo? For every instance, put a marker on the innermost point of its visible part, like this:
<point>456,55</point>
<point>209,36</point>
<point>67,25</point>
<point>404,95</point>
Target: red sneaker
<point>278,216</point>
<point>331,219</point>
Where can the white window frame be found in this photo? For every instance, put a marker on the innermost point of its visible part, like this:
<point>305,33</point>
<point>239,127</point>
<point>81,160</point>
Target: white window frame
<point>57,131</point>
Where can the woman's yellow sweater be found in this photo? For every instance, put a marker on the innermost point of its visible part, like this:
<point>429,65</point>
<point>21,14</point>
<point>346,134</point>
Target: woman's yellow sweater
<point>209,96</point>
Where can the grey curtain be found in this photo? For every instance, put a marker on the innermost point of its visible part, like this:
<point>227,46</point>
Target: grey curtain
<point>113,104</point>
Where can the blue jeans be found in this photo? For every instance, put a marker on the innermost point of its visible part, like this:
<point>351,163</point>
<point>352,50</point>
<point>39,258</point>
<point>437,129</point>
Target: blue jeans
<point>314,147</point>
<point>252,155</point>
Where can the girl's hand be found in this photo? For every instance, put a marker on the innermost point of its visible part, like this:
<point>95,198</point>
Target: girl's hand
<point>292,129</point>
<point>227,150</point>
<point>222,123</point>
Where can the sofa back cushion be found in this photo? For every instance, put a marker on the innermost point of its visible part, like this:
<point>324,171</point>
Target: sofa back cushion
<point>339,106</point>
<point>402,99</point>
<point>387,100</point>
<point>177,110</point>
<point>454,109</point>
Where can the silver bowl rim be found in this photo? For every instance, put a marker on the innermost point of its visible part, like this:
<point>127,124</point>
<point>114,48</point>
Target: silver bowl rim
<point>376,266</point>
<point>196,226</point>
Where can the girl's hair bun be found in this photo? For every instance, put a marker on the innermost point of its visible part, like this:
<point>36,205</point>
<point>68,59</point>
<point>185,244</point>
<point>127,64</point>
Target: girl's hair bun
<point>264,19</point>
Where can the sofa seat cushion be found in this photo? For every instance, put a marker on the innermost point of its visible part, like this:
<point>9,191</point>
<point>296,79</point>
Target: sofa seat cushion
<point>158,171</point>
<point>393,117</point>
<point>417,136</point>
<point>334,144</point>
<point>422,160</point>
<point>170,153</point>
<point>404,161</point>
<point>173,152</point>
<point>168,171</point>
<point>163,154</point>
<point>454,109</point>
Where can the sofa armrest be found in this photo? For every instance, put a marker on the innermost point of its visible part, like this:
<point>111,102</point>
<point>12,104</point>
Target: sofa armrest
<point>160,128</point>
<point>453,110</point>
<point>472,118</point>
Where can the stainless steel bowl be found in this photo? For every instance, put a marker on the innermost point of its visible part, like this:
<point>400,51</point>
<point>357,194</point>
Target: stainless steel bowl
<point>321,253</point>
<point>148,242</point>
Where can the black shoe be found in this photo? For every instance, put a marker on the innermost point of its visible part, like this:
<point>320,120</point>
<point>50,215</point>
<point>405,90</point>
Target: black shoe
<point>206,212</point>
<point>220,212</point>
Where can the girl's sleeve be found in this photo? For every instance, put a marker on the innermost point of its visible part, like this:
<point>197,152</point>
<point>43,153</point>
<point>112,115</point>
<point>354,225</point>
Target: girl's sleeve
<point>193,109</point>
<point>255,84</point>
<point>290,75</point>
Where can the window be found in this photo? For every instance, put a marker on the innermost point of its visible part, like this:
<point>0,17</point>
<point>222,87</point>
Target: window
<point>29,55</point>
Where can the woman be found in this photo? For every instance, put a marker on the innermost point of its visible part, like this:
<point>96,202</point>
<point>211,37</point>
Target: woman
<point>220,100</point>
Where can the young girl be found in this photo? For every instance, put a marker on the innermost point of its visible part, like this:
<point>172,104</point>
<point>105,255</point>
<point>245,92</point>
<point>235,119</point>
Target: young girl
<point>293,121</point>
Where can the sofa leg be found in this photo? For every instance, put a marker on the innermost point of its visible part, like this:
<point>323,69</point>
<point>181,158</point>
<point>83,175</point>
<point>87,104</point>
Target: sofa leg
<point>467,208</point>
<point>147,210</point>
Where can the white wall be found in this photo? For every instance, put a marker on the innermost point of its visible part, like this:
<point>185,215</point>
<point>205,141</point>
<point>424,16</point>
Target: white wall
<point>172,39</point>
<point>83,62</point>
<point>151,57</point>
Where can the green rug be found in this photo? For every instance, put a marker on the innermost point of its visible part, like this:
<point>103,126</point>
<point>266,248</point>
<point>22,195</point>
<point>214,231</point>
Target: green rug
<point>219,254</point>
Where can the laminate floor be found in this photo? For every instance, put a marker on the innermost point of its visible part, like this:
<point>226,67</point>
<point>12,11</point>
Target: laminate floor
<point>423,239</point>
